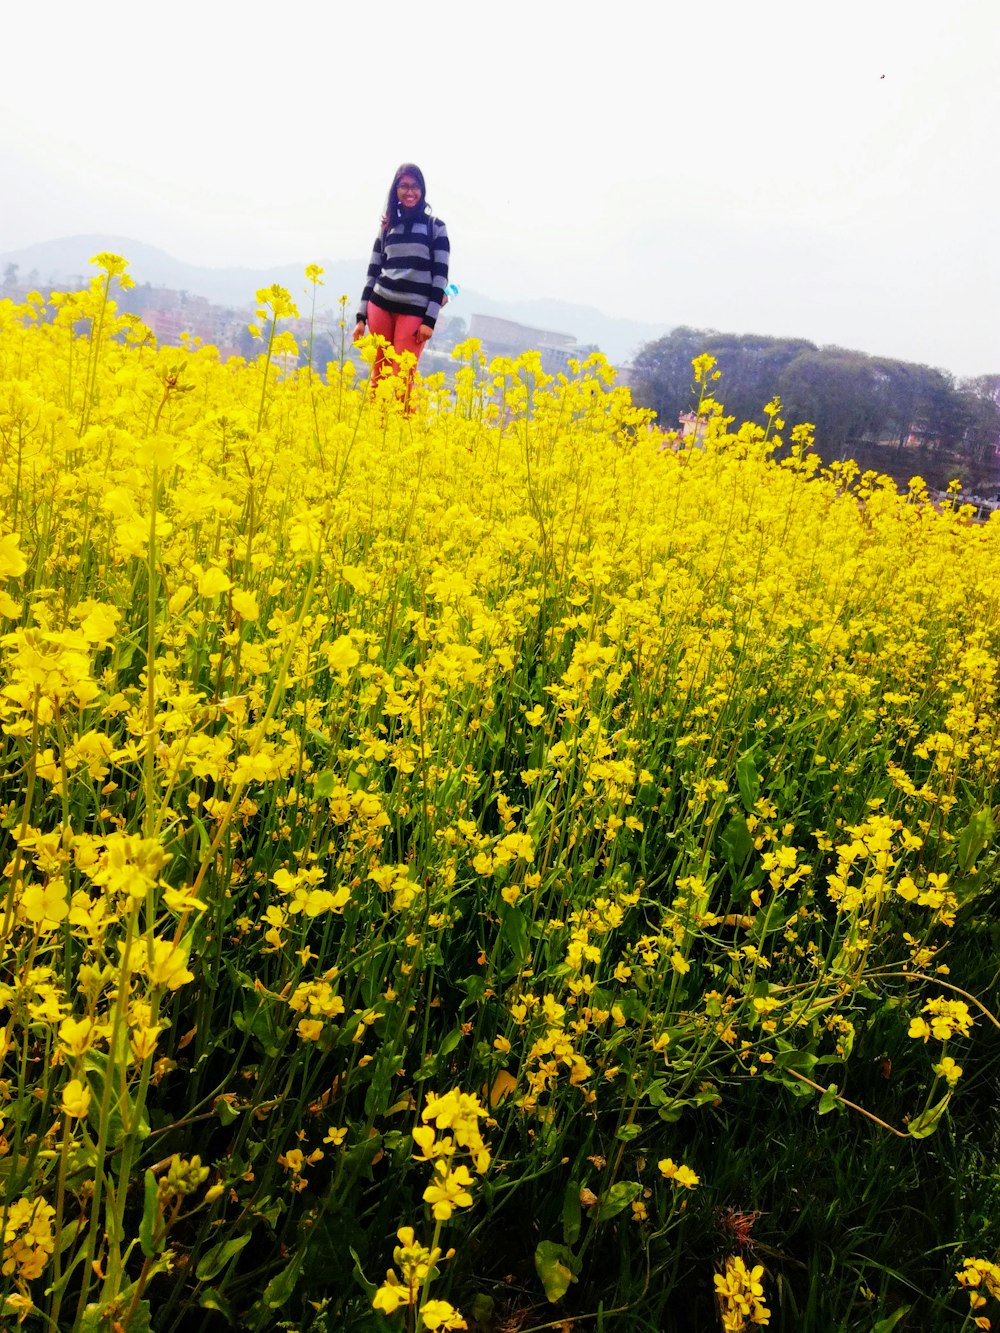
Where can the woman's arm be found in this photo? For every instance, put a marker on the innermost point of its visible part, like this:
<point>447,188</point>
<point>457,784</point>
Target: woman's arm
<point>440,258</point>
<point>374,272</point>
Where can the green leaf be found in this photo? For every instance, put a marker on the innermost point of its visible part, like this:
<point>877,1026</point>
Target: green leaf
<point>124,654</point>
<point>213,1261</point>
<point>435,1061</point>
<point>281,1286</point>
<point>514,932</point>
<point>258,1020</point>
<point>628,1132</point>
<point>203,839</point>
<point>969,887</point>
<point>95,1318</point>
<point>655,1092</point>
<point>887,1325</point>
<point>617,1198</point>
<point>324,784</point>
<point>803,1062</point>
<point>225,1112</point>
<point>475,989</point>
<point>829,1101</point>
<point>557,1268</point>
<point>269,1210</point>
<point>924,1124</point>
<point>210,1299</point>
<point>369,1288</point>
<point>974,838</point>
<point>150,1217</point>
<point>631,1004</point>
<point>748,780</point>
<point>571,1213</point>
<point>845,1047</point>
<point>449,1043</point>
<point>139,1320</point>
<point>481,1313</point>
<point>707,1096</point>
<point>789,1058</point>
<point>737,844</point>
<point>362,1154</point>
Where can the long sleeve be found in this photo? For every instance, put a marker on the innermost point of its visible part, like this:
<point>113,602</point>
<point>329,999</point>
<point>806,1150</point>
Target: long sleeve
<point>374,272</point>
<point>440,258</point>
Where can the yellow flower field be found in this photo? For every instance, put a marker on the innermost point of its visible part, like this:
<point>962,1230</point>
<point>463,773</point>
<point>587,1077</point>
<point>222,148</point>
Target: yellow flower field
<point>462,863</point>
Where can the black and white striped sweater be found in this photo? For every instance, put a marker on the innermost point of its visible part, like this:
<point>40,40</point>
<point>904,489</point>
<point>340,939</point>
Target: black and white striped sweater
<point>408,270</point>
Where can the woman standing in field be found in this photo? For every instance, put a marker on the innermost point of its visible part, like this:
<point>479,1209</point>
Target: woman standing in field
<point>408,271</point>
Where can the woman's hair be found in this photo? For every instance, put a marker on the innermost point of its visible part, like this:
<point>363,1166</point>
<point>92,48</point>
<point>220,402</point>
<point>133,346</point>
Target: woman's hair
<point>393,208</point>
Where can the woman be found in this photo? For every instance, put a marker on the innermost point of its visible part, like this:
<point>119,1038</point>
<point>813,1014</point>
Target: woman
<point>408,271</point>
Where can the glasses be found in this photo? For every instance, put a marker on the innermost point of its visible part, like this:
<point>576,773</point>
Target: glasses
<point>407,187</point>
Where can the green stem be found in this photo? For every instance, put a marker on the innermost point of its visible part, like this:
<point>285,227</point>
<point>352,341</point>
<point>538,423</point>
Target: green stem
<point>89,1252</point>
<point>267,366</point>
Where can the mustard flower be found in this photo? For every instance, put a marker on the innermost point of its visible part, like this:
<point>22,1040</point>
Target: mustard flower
<point>740,1294</point>
<point>45,905</point>
<point>76,1098</point>
<point>439,1315</point>
<point>448,1191</point>
<point>681,1176</point>
<point>947,1069</point>
<point>392,1294</point>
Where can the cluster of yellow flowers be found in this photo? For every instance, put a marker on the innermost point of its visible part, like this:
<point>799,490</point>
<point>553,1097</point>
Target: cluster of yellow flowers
<point>739,1292</point>
<point>450,1128</point>
<point>947,1018</point>
<point>977,1276</point>
<point>28,1240</point>
<point>417,1266</point>
<point>680,1176</point>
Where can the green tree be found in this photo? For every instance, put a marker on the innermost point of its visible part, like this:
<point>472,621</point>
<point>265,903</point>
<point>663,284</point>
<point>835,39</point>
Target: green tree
<point>980,405</point>
<point>842,393</point>
<point>893,416</point>
<point>662,377</point>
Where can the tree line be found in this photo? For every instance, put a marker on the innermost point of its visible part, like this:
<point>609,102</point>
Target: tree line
<point>895,416</point>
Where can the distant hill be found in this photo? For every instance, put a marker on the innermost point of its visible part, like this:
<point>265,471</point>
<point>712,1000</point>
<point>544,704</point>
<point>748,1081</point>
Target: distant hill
<point>67,260</point>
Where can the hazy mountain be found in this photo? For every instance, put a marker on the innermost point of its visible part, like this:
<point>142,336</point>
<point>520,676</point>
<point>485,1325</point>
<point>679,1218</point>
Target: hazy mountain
<point>69,257</point>
<point>67,262</point>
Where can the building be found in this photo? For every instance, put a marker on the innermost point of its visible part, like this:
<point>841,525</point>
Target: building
<point>504,337</point>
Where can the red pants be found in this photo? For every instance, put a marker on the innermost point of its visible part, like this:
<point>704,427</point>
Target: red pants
<point>400,330</point>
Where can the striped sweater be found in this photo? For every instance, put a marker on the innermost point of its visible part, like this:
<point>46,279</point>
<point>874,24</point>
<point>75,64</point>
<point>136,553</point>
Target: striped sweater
<point>408,270</point>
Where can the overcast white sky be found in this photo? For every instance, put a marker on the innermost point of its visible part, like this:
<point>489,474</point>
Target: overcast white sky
<point>820,168</point>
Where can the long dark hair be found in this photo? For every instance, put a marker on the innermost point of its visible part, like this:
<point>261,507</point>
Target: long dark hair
<point>394,210</point>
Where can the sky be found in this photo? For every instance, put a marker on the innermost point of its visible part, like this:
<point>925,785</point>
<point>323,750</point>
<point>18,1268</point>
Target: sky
<point>827,169</point>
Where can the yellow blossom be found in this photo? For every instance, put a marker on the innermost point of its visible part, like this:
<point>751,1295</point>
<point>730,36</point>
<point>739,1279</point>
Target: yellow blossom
<point>76,1098</point>
<point>681,1176</point>
<point>45,905</point>
<point>448,1191</point>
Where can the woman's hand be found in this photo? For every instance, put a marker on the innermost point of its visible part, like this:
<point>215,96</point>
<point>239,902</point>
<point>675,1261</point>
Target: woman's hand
<point>424,333</point>
<point>359,331</point>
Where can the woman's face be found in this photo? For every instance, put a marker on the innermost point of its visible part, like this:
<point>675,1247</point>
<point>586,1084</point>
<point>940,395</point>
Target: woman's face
<point>408,190</point>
